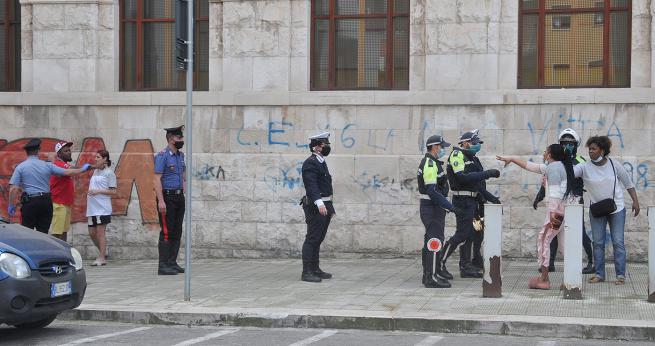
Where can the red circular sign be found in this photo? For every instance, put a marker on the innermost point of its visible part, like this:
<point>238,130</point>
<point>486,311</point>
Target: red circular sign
<point>434,245</point>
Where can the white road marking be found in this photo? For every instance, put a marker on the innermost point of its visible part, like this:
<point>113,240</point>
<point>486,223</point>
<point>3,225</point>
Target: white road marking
<point>104,336</point>
<point>547,343</point>
<point>430,340</point>
<point>315,338</point>
<point>207,337</point>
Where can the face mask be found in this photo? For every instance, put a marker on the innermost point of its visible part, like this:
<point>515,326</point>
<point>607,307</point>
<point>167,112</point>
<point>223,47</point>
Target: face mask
<point>179,145</point>
<point>475,148</point>
<point>325,151</point>
<point>599,159</point>
<point>569,148</point>
<point>441,153</point>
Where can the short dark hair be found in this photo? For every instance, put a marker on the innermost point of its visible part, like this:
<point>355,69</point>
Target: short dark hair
<point>603,142</point>
<point>32,151</point>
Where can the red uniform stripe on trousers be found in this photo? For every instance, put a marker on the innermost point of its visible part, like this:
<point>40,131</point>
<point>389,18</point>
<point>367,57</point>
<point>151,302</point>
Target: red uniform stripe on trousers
<point>165,226</point>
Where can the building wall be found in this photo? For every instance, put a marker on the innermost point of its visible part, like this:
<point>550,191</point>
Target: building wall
<point>251,127</point>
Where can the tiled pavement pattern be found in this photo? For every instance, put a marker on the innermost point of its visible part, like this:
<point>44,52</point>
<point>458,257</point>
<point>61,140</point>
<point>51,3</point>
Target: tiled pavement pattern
<point>390,287</point>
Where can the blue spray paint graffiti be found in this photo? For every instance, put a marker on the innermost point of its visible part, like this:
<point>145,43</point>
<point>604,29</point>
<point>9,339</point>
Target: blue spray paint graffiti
<point>289,177</point>
<point>539,140</point>
<point>640,176</point>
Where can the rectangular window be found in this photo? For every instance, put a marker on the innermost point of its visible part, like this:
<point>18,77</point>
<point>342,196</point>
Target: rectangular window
<point>10,45</point>
<point>574,43</point>
<point>360,44</point>
<point>147,43</point>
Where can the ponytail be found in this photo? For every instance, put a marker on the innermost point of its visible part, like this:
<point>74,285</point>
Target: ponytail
<point>558,153</point>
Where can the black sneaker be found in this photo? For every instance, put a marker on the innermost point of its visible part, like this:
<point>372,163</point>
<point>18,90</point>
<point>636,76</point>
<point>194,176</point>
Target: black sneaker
<point>589,269</point>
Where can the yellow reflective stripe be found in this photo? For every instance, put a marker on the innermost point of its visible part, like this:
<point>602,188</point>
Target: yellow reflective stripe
<point>430,172</point>
<point>580,159</point>
<point>456,161</point>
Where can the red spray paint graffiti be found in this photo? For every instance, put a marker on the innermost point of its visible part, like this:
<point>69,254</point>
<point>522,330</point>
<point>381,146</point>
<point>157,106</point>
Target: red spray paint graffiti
<point>135,166</point>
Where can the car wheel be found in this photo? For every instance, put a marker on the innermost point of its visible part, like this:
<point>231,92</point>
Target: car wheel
<point>37,324</point>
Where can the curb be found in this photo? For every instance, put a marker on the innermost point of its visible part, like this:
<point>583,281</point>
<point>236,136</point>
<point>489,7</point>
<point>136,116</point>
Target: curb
<point>510,325</point>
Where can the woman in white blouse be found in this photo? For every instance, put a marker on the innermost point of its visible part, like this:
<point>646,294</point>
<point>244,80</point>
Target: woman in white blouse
<point>601,176</point>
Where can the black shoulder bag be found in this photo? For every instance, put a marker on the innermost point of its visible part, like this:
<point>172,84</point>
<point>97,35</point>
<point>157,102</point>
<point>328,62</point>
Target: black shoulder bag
<point>606,206</point>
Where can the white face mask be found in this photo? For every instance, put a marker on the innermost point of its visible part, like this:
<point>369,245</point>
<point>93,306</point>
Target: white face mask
<point>599,159</point>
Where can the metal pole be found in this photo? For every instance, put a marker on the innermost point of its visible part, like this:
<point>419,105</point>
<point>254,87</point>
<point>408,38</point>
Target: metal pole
<point>492,283</point>
<point>573,219</point>
<point>189,162</point>
<point>651,254</point>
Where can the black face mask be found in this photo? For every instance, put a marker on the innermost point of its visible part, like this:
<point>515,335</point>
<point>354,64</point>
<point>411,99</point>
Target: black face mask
<point>325,151</point>
<point>179,145</point>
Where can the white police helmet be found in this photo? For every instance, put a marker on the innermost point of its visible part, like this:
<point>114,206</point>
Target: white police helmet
<point>569,132</point>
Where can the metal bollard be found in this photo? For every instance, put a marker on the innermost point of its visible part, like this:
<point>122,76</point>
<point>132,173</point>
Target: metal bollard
<point>651,254</point>
<point>492,251</point>
<point>573,220</point>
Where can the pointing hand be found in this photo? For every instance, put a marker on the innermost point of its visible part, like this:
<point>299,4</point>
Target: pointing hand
<point>85,167</point>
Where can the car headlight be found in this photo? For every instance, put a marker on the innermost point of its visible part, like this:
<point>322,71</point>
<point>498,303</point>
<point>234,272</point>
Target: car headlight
<point>14,266</point>
<point>77,259</point>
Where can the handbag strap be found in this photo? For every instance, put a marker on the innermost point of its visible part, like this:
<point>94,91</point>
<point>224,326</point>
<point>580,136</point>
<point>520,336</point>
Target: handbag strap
<point>613,170</point>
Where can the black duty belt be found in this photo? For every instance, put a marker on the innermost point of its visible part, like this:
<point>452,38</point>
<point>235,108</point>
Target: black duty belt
<point>465,193</point>
<point>37,195</point>
<point>173,191</point>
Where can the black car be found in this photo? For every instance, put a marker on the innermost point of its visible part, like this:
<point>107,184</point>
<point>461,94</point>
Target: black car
<point>40,276</point>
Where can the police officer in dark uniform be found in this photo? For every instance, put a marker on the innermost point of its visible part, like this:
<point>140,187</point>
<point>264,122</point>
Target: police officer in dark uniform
<point>433,189</point>
<point>317,206</point>
<point>170,178</point>
<point>570,140</point>
<point>467,181</point>
<point>31,179</point>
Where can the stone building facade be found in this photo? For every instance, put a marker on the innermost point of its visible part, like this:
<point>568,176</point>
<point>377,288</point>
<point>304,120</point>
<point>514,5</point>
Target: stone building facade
<point>252,124</point>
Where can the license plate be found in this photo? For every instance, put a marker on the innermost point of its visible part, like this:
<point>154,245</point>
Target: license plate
<point>59,289</point>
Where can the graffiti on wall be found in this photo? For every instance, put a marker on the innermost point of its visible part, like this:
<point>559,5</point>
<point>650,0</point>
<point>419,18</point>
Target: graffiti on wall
<point>540,137</point>
<point>279,133</point>
<point>135,167</point>
<point>209,172</point>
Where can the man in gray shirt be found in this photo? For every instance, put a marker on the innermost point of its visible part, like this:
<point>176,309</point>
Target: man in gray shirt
<point>32,178</point>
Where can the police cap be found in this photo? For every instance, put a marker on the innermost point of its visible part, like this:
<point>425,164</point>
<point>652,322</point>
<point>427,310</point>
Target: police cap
<point>33,143</point>
<point>175,131</point>
<point>437,139</point>
<point>470,136</point>
<point>315,140</point>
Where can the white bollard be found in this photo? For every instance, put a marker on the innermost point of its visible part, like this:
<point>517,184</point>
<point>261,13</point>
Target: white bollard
<point>573,221</point>
<point>651,254</point>
<point>492,251</point>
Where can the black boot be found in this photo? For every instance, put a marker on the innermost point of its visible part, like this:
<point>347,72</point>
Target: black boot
<point>172,258</point>
<point>447,250</point>
<point>589,269</point>
<point>430,280</point>
<point>308,272</point>
<point>321,274</point>
<point>164,254</point>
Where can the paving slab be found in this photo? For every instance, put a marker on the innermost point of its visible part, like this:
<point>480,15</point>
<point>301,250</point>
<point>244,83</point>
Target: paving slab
<point>384,294</point>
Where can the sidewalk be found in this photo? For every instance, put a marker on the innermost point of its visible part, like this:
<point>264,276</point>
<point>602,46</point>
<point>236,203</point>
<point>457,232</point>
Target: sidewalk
<point>367,294</point>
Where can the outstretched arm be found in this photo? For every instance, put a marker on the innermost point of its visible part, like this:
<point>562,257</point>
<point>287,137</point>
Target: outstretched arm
<point>527,165</point>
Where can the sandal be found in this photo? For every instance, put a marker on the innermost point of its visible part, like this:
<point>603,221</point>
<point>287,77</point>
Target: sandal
<point>619,281</point>
<point>595,280</point>
<point>97,263</point>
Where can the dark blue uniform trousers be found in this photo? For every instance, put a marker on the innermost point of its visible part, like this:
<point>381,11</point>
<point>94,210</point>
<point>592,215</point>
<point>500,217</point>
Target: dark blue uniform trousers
<point>317,226</point>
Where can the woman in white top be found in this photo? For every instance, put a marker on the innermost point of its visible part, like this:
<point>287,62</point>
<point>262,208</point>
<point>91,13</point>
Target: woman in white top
<point>98,203</point>
<point>559,182</point>
<point>601,176</point>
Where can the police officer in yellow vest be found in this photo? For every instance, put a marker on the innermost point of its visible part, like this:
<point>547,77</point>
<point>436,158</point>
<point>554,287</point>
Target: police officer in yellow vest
<point>433,187</point>
<point>467,181</point>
